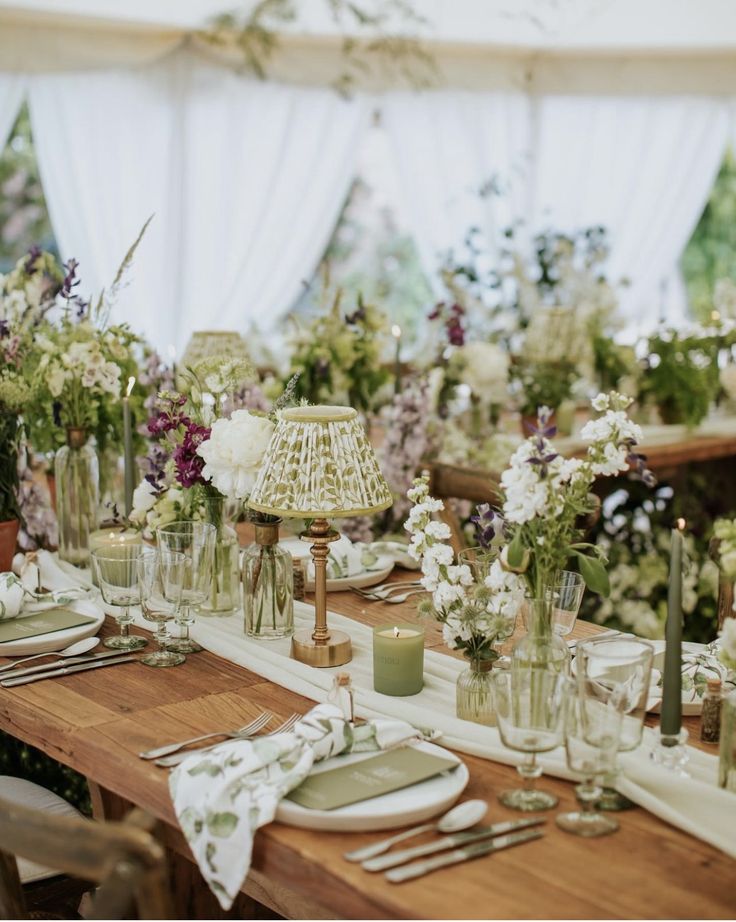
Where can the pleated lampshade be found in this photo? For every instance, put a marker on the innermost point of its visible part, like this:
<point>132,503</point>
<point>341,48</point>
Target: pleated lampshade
<point>320,464</point>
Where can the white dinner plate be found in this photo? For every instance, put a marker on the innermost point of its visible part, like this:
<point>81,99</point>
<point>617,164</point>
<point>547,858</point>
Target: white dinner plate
<point>414,804</point>
<point>691,703</point>
<point>50,643</point>
<point>382,568</point>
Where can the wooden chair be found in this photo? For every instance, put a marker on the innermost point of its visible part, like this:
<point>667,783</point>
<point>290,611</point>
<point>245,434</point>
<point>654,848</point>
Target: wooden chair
<point>447,481</point>
<point>123,859</point>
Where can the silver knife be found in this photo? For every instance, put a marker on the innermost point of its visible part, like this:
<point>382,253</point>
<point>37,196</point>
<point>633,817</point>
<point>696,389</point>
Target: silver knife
<point>419,868</point>
<point>67,670</point>
<point>62,664</point>
<point>448,842</point>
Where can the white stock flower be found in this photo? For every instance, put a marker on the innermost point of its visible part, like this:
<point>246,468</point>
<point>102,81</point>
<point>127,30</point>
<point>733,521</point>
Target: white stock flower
<point>234,452</point>
<point>144,498</point>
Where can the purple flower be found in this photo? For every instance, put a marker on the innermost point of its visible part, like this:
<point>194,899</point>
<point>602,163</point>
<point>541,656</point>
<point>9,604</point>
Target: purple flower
<point>4,329</point>
<point>33,256</point>
<point>489,525</point>
<point>187,462</point>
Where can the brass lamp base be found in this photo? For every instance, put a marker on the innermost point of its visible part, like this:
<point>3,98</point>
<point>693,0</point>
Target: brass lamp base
<point>321,647</point>
<point>335,651</point>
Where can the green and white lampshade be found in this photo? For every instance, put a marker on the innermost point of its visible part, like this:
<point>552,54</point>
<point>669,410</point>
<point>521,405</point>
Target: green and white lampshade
<point>320,464</point>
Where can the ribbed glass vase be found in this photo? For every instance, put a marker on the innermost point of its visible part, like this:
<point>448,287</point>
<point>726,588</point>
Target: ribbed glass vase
<point>224,597</point>
<point>77,476</point>
<point>474,697</point>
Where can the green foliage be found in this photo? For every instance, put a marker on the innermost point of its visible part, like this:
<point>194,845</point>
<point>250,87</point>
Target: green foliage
<point>373,39</point>
<point>22,761</point>
<point>711,253</point>
<point>542,384</point>
<point>9,432</point>
<point>612,361</point>
<point>681,376</point>
<point>24,218</point>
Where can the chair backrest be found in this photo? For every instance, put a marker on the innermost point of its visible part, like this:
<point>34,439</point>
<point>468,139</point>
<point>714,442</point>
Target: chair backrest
<point>447,481</point>
<point>124,859</point>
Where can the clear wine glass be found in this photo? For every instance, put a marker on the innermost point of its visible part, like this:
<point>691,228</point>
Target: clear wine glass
<point>530,711</point>
<point>568,590</point>
<point>617,670</point>
<point>161,581</point>
<point>116,571</point>
<point>592,734</point>
<point>196,541</point>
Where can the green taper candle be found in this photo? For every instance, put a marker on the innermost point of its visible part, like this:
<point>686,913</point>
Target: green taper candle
<point>671,721</point>
<point>398,659</point>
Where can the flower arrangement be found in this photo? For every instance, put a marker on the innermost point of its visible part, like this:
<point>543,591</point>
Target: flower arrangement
<point>473,614</point>
<point>339,356</point>
<point>545,496</point>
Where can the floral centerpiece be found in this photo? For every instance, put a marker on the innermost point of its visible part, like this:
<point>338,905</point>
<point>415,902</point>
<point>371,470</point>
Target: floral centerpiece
<point>474,614</point>
<point>339,356</point>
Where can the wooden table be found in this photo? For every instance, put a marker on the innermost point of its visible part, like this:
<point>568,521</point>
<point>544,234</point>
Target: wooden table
<point>97,721</point>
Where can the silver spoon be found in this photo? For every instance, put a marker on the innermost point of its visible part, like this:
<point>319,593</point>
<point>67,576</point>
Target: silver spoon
<point>80,646</point>
<point>463,816</point>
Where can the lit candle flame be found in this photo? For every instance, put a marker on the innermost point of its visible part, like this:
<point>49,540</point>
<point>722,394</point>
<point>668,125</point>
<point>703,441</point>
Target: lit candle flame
<point>131,384</point>
<point>396,632</point>
<point>396,331</point>
<point>681,524</point>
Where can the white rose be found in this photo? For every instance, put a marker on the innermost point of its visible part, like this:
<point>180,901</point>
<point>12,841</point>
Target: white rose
<point>234,452</point>
<point>144,498</point>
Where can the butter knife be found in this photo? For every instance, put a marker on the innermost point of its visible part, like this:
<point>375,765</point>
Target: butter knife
<point>419,868</point>
<point>448,842</point>
<point>67,670</point>
<point>62,664</point>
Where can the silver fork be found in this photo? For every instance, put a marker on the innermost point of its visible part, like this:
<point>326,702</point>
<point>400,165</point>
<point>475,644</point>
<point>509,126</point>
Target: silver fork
<point>253,727</point>
<point>171,761</point>
<point>393,599</point>
<point>385,593</point>
<point>402,584</point>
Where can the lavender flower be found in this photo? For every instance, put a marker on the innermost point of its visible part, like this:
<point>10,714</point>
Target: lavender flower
<point>489,525</point>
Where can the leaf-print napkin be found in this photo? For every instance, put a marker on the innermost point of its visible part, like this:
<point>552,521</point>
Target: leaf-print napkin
<point>222,797</point>
<point>20,594</point>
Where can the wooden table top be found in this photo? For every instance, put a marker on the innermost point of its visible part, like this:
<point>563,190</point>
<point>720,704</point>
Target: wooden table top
<point>96,722</point>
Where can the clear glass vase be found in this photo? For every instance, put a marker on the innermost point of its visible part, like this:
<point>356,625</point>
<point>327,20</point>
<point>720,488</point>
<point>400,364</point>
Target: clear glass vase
<point>224,595</point>
<point>474,696</point>
<point>77,476</point>
<point>268,586</point>
<point>541,647</point>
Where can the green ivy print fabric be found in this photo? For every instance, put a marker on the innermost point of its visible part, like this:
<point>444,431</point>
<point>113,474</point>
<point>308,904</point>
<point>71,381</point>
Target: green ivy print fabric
<point>222,797</point>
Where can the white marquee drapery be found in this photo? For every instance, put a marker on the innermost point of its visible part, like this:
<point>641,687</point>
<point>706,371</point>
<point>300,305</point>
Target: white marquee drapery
<point>245,181</point>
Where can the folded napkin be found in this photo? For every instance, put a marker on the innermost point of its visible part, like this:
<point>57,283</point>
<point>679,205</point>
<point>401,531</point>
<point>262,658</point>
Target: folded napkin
<point>222,797</point>
<point>22,592</point>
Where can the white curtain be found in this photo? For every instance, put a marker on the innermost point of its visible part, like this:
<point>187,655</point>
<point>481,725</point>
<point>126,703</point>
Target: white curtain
<point>267,169</point>
<point>641,167</point>
<point>245,180</point>
<point>448,147</point>
<point>12,87</point>
<point>107,153</point>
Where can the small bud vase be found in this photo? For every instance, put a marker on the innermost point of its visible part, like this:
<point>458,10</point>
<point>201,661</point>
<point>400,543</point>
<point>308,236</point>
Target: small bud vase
<point>224,595</point>
<point>77,476</point>
<point>268,586</point>
<point>474,697</point>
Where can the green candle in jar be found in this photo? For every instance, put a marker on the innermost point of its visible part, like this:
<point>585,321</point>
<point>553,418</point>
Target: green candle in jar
<point>398,659</point>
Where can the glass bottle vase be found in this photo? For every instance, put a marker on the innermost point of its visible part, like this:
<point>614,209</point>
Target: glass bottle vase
<point>77,477</point>
<point>541,647</point>
<point>224,595</point>
<point>268,586</point>
<point>474,696</point>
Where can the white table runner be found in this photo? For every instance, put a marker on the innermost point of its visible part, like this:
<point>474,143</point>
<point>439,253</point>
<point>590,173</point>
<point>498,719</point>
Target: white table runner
<point>696,805</point>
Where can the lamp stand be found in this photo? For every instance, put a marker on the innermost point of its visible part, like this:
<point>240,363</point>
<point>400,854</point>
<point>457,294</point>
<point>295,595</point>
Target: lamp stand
<point>321,647</point>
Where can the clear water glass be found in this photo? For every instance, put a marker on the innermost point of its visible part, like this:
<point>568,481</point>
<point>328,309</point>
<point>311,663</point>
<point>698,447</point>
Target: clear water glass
<point>530,715</point>
<point>568,596</point>
<point>592,734</point>
<point>617,670</point>
<point>479,559</point>
<point>160,581</point>
<point>116,571</point>
<point>196,541</point>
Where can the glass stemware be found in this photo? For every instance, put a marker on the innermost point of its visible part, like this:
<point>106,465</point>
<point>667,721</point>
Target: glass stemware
<point>479,559</point>
<point>568,596</point>
<point>161,581</point>
<point>116,570</point>
<point>530,712</point>
<point>592,733</point>
<point>196,541</point>
<point>617,670</point>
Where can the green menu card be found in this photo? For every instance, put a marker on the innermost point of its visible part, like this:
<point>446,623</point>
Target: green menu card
<point>57,619</point>
<point>382,773</point>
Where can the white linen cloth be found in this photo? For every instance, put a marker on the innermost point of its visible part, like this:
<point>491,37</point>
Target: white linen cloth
<point>25,592</point>
<point>696,804</point>
<point>222,797</point>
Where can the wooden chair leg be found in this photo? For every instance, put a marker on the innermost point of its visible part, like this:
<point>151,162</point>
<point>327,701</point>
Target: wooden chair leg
<point>12,902</point>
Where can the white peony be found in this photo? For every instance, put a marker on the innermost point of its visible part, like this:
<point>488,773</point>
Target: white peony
<point>234,451</point>
<point>144,498</point>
